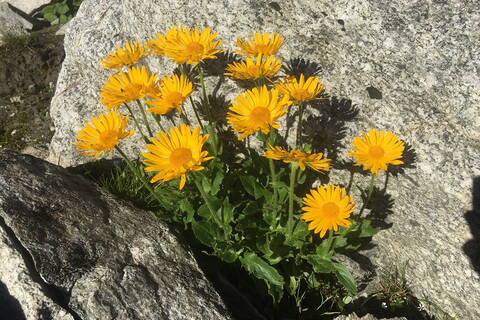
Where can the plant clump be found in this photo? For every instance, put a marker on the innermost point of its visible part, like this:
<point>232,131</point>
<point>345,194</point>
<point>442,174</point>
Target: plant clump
<point>250,208</point>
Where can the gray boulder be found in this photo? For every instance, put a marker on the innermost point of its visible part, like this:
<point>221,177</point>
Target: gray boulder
<point>410,67</point>
<point>11,22</point>
<point>22,295</point>
<point>28,6</point>
<point>102,258</point>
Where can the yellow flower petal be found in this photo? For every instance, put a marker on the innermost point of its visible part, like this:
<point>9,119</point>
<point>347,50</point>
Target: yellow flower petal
<point>376,149</point>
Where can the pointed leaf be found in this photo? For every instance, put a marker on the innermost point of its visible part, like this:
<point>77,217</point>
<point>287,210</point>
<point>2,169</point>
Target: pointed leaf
<point>262,270</point>
<point>203,233</point>
<point>345,278</point>
<point>320,264</point>
<point>217,182</point>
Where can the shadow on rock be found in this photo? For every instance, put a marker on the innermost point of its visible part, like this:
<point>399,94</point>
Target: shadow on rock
<point>9,305</point>
<point>472,247</point>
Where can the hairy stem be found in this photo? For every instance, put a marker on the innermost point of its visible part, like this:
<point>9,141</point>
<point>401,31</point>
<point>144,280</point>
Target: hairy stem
<point>136,123</point>
<point>142,111</point>
<point>293,179</point>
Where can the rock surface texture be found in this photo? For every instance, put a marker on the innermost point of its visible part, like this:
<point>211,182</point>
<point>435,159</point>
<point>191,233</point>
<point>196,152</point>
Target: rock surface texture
<point>97,257</point>
<point>410,67</point>
<point>11,22</point>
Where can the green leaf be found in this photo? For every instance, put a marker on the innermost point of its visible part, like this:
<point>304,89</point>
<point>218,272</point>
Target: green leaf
<point>302,176</point>
<point>366,229</point>
<point>340,242</point>
<point>206,184</point>
<point>323,249</point>
<point>63,19</point>
<point>48,10</point>
<point>203,233</point>
<point>229,256</point>
<point>299,234</point>
<point>320,264</point>
<point>203,211</point>
<point>50,17</point>
<point>227,211</point>
<point>345,278</point>
<point>186,207</point>
<point>217,182</point>
<point>262,270</point>
<point>62,8</point>
<point>269,216</point>
<point>292,285</point>
<point>248,184</point>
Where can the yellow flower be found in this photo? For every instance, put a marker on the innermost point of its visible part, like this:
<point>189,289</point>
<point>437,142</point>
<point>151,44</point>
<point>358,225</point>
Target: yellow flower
<point>313,161</point>
<point>327,208</point>
<point>186,45</point>
<point>257,110</point>
<point>124,57</point>
<point>122,87</point>
<point>172,156</point>
<point>174,90</point>
<point>299,90</point>
<point>103,135</point>
<point>266,44</point>
<point>376,150</point>
<point>254,69</point>
<point>159,44</point>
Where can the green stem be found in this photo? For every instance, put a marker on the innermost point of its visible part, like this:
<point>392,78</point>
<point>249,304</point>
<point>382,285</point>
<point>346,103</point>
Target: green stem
<point>158,122</point>
<point>329,240</point>
<point>293,179</point>
<point>136,173</point>
<point>386,180</point>
<point>172,121</point>
<point>213,134</point>
<point>271,164</point>
<point>207,201</point>
<point>197,115</point>
<point>144,117</point>
<point>350,181</point>
<point>204,93</point>
<point>369,195</point>
<point>299,129</point>
<point>183,116</point>
<point>136,123</point>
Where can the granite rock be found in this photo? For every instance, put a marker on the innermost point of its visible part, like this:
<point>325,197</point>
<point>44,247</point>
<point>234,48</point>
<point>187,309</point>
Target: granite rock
<point>354,316</point>
<point>11,22</point>
<point>409,66</point>
<point>101,257</point>
<point>28,6</point>
<point>22,295</point>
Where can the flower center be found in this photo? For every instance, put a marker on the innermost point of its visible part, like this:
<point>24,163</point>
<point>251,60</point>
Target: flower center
<point>180,157</point>
<point>194,49</point>
<point>107,140</point>
<point>253,71</point>
<point>260,115</point>
<point>174,98</point>
<point>376,152</point>
<point>261,48</point>
<point>300,94</point>
<point>133,91</point>
<point>330,209</point>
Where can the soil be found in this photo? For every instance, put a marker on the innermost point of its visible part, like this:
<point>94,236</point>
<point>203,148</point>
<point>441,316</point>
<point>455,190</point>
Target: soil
<point>28,75</point>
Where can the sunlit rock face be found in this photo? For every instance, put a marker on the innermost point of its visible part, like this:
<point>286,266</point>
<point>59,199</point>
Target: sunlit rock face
<point>409,66</point>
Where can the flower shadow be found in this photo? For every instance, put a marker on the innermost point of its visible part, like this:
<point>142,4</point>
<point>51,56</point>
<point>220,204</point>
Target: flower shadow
<point>380,206</point>
<point>326,131</point>
<point>472,247</point>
